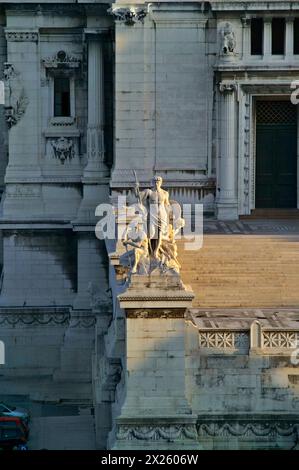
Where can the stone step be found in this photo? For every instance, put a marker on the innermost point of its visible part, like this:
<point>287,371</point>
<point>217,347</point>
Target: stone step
<point>243,271</point>
<point>272,214</point>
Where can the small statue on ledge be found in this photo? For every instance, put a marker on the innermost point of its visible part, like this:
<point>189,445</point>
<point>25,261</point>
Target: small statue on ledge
<point>152,233</point>
<point>228,40</point>
<point>136,237</point>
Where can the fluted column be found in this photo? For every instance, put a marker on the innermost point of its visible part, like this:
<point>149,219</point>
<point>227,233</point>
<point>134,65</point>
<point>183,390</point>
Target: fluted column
<point>96,167</point>
<point>246,37</point>
<point>289,41</point>
<point>267,38</point>
<point>95,177</point>
<point>227,208</point>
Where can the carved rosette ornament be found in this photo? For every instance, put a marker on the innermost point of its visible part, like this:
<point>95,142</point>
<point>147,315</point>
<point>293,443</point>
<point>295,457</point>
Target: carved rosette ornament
<point>16,100</point>
<point>128,15</point>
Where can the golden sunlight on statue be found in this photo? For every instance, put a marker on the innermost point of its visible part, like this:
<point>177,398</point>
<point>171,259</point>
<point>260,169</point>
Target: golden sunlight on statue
<point>151,234</point>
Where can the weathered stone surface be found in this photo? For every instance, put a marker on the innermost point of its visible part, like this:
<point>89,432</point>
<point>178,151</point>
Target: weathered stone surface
<point>162,88</point>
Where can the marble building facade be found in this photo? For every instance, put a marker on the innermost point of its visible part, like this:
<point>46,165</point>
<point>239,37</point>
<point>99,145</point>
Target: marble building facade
<point>194,92</point>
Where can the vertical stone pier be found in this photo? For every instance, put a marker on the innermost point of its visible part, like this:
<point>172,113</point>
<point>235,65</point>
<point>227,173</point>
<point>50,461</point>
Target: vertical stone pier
<point>155,413</point>
<point>227,207</point>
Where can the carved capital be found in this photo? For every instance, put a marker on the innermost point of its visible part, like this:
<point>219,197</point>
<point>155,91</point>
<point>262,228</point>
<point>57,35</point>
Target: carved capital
<point>128,15</point>
<point>227,87</point>
<point>246,22</point>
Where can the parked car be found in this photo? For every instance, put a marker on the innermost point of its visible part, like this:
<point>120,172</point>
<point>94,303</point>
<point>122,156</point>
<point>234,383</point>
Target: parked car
<point>13,433</point>
<point>7,410</point>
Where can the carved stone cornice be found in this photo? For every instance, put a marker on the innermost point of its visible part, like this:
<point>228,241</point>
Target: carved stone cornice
<point>98,34</point>
<point>82,321</point>
<point>161,297</point>
<point>156,433</point>
<point>263,6</point>
<point>21,35</point>
<point>10,320</point>
<point>35,317</point>
<point>156,313</point>
<point>247,429</point>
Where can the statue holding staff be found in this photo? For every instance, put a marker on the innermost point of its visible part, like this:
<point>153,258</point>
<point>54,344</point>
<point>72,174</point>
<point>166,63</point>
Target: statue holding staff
<point>156,201</point>
<point>151,234</point>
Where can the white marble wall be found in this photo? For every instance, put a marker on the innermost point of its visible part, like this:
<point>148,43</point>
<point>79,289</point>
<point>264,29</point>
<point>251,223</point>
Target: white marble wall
<point>164,99</point>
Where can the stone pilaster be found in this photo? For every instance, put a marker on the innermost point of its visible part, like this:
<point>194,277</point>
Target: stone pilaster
<point>96,167</point>
<point>246,38</point>
<point>289,40</point>
<point>22,107</point>
<point>96,173</point>
<point>3,127</point>
<point>155,413</point>
<point>267,48</point>
<point>95,177</point>
<point>227,208</point>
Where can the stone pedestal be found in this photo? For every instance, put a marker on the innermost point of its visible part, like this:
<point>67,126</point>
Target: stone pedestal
<point>155,413</point>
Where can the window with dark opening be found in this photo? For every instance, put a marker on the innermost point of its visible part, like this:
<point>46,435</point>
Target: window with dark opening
<point>278,36</point>
<point>296,36</point>
<point>62,105</point>
<point>257,26</point>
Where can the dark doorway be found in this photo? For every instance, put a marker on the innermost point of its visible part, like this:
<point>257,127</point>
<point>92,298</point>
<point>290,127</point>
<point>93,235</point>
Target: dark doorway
<point>276,154</point>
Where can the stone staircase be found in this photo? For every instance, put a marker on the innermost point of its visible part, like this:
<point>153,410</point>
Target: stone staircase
<point>233,270</point>
<point>272,214</point>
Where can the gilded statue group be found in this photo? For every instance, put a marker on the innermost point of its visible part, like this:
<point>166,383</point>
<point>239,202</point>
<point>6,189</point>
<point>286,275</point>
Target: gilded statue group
<point>150,237</point>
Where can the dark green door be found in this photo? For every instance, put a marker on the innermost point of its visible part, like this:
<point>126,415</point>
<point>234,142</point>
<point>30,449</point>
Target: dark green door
<point>276,164</point>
